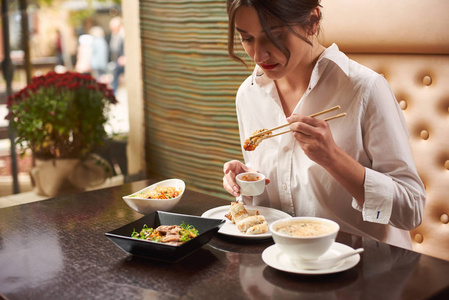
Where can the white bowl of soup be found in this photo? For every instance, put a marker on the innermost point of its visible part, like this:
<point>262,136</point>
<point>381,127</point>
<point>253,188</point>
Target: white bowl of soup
<point>251,183</point>
<point>161,196</point>
<point>304,238</point>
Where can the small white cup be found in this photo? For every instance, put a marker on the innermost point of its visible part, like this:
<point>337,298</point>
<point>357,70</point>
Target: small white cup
<point>300,248</point>
<point>251,183</point>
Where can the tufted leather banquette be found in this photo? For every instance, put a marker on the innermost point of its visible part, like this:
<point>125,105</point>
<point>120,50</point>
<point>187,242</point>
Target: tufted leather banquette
<point>407,41</point>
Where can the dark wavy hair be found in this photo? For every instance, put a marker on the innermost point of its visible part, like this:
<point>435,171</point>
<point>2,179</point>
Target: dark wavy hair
<point>287,12</point>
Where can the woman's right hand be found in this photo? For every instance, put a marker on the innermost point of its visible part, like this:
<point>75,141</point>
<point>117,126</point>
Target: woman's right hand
<point>231,169</point>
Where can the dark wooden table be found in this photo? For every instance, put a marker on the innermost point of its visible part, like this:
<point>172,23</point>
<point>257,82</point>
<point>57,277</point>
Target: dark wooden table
<point>56,249</point>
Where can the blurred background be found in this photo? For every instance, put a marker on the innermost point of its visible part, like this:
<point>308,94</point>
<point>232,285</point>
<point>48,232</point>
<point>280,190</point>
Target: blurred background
<point>61,35</point>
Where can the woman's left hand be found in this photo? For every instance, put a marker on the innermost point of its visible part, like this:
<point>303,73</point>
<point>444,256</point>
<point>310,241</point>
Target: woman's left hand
<point>314,138</point>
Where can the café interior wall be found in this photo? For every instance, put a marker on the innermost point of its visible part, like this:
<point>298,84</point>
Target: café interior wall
<point>189,87</point>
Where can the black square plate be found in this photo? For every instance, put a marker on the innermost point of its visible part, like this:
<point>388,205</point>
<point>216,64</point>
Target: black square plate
<point>206,227</point>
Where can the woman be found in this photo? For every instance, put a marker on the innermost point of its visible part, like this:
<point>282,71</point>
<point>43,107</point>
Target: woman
<point>357,170</point>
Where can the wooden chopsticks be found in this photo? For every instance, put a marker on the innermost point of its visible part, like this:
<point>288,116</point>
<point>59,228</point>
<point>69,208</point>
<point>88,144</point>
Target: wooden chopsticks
<point>312,115</point>
<point>327,119</point>
<point>335,117</point>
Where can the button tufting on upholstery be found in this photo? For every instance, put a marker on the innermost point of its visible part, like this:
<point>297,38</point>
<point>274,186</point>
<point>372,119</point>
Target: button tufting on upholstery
<point>424,134</point>
<point>427,80</point>
<point>424,101</point>
<point>419,238</point>
<point>444,218</point>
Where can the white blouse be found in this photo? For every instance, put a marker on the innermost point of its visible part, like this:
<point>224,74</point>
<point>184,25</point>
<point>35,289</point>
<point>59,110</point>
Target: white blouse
<point>374,133</point>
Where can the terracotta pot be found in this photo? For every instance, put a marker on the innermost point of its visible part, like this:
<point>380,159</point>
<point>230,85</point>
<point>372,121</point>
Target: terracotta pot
<point>63,176</point>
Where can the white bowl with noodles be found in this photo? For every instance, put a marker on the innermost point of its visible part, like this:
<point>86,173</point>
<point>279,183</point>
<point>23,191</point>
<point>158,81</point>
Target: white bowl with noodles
<point>140,202</point>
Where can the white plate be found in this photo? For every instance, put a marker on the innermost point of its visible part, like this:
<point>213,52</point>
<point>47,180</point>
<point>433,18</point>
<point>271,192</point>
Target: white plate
<point>273,257</point>
<point>229,228</point>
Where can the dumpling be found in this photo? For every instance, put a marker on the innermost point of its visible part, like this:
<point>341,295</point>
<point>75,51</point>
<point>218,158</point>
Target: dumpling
<point>238,211</point>
<point>249,222</point>
<point>258,229</point>
<point>252,142</point>
<point>251,212</point>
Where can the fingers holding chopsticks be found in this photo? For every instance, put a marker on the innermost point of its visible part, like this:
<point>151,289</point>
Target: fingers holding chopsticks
<point>254,140</point>
<point>304,124</point>
<point>288,124</point>
<point>314,137</point>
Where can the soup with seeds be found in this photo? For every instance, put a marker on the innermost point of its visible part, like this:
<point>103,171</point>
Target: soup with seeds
<point>305,229</point>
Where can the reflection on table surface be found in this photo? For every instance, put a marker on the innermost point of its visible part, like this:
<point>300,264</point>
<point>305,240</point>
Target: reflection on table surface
<point>56,249</point>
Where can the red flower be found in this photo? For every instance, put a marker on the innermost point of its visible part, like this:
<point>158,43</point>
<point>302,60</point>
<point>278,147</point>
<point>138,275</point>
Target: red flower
<point>65,101</point>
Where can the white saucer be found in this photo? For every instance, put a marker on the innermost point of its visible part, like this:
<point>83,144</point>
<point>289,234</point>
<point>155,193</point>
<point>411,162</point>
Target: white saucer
<point>230,229</point>
<point>273,257</point>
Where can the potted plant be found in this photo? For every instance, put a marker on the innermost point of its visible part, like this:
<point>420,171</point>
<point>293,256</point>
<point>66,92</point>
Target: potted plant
<point>61,117</point>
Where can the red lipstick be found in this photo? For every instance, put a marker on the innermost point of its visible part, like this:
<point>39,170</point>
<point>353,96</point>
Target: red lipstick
<point>268,66</point>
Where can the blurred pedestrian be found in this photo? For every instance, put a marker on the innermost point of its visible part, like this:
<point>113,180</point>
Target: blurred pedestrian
<point>99,58</point>
<point>116,50</point>
<point>84,54</point>
<point>58,48</point>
